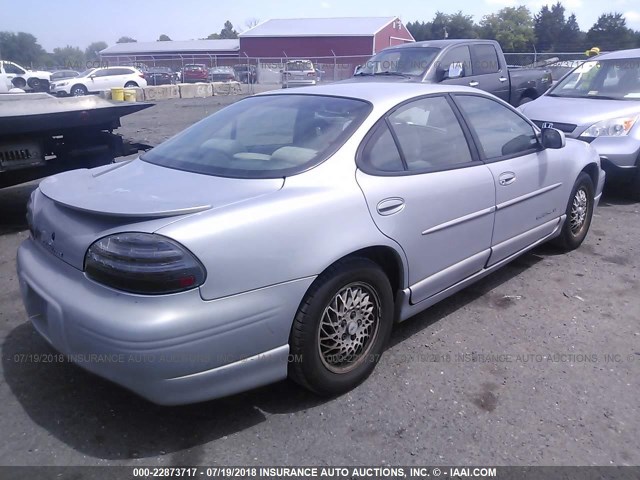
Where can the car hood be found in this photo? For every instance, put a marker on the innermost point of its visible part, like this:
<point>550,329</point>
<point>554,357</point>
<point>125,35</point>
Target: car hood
<point>143,190</point>
<point>582,112</point>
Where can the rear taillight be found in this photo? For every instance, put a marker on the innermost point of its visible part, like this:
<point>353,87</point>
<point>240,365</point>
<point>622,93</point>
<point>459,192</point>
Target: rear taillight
<point>311,74</point>
<point>143,263</point>
<point>141,75</point>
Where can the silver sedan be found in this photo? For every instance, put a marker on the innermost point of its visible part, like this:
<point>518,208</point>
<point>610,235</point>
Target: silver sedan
<point>284,235</point>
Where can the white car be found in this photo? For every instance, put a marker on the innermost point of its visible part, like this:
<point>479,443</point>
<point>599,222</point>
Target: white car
<point>23,78</point>
<point>298,73</point>
<point>99,79</point>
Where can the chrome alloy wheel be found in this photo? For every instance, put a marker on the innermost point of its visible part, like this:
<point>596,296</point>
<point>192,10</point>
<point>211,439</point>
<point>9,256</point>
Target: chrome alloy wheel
<point>348,327</point>
<point>579,210</point>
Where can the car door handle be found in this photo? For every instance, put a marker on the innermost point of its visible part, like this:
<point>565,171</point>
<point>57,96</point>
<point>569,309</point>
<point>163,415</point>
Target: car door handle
<point>506,178</point>
<point>503,79</point>
<point>389,206</point>
<point>473,83</point>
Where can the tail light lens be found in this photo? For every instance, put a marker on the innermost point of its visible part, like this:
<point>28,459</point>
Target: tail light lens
<point>143,263</point>
<point>311,74</point>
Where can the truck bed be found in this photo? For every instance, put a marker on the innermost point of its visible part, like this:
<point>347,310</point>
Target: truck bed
<point>23,113</point>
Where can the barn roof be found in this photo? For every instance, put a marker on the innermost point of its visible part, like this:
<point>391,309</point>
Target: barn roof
<point>319,27</point>
<point>173,47</point>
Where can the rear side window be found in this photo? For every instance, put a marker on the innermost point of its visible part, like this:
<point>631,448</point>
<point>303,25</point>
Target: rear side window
<point>501,132</point>
<point>381,153</point>
<point>485,59</point>
<point>429,135</point>
<point>420,136</point>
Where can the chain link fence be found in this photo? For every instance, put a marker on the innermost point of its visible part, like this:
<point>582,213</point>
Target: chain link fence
<point>268,71</point>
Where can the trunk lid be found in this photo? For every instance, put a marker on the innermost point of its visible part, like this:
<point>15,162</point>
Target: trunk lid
<point>71,210</point>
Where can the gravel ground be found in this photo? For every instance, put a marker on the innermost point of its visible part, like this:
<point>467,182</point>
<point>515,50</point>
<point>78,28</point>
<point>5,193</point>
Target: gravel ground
<point>536,364</point>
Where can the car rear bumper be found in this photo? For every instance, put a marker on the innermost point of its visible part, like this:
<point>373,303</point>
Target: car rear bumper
<point>299,83</point>
<point>170,349</point>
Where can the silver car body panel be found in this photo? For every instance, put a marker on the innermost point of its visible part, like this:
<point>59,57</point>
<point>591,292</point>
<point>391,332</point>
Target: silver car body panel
<point>264,241</point>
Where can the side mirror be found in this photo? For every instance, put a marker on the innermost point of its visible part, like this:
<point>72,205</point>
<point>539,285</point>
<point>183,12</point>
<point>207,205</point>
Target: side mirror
<point>552,138</point>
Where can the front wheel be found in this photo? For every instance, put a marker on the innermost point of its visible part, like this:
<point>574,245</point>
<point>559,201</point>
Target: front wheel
<point>341,327</point>
<point>579,213</point>
<point>78,90</point>
<point>130,85</point>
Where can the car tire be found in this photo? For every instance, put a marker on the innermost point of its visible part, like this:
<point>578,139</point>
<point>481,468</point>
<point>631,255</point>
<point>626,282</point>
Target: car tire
<point>130,85</point>
<point>579,214</point>
<point>19,82</point>
<point>347,356</point>
<point>34,84</point>
<point>78,91</point>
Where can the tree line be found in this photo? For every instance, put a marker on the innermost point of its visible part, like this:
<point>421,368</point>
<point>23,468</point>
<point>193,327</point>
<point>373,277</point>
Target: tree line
<point>24,49</point>
<point>518,30</point>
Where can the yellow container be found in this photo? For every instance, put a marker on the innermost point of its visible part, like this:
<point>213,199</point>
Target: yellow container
<point>129,95</point>
<point>117,94</point>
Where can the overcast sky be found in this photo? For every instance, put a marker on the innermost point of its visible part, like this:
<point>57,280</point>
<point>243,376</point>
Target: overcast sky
<point>80,22</point>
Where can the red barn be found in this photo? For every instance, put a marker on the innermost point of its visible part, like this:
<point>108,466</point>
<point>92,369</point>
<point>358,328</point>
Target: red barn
<point>322,37</point>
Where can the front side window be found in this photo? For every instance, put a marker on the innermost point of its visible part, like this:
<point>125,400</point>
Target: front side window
<point>429,135</point>
<point>500,131</point>
<point>459,56</point>
<point>267,136</point>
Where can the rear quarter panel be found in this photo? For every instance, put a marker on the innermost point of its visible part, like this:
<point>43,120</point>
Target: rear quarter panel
<point>317,218</point>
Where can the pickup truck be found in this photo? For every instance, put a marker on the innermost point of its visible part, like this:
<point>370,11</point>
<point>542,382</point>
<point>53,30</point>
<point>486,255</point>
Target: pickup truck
<point>23,78</point>
<point>474,63</point>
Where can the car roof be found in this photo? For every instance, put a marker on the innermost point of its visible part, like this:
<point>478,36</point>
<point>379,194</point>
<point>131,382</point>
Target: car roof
<point>375,92</point>
<point>441,43</point>
<point>631,53</point>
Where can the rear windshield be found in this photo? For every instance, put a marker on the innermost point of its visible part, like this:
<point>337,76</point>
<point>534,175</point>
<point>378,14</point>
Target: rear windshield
<point>267,136</point>
<point>406,61</point>
<point>299,66</point>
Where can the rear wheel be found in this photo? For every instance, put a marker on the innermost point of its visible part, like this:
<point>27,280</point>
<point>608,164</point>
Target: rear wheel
<point>341,327</point>
<point>579,213</point>
<point>130,85</point>
<point>19,82</point>
<point>78,90</point>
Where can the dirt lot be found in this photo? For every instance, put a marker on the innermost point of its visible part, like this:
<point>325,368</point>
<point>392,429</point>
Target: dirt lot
<point>537,364</point>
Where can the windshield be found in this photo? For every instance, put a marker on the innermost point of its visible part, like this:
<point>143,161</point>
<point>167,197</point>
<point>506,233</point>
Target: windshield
<point>86,73</point>
<point>605,79</point>
<point>266,136</point>
<point>406,61</point>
